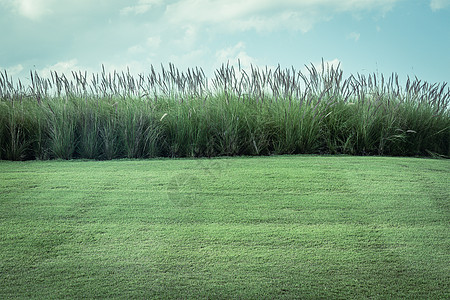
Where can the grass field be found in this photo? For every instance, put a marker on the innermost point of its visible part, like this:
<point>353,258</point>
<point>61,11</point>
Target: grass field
<point>261,228</point>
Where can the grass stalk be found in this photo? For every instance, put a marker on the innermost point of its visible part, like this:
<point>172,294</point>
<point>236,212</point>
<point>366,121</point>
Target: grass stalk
<point>239,112</point>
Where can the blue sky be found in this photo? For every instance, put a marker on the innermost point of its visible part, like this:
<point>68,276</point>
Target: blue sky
<point>408,37</point>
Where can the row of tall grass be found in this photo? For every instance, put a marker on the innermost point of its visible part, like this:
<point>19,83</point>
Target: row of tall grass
<point>238,112</point>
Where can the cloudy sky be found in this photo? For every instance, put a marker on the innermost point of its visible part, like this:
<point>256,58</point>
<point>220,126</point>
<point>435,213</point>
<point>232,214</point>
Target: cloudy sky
<point>409,37</point>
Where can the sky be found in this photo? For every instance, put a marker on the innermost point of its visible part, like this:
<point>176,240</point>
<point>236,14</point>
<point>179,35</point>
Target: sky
<point>407,37</point>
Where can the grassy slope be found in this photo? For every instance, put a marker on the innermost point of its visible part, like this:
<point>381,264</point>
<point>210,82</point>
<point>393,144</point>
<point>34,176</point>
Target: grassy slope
<point>268,227</point>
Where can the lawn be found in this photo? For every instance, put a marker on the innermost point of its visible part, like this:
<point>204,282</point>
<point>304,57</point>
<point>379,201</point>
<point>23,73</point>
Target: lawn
<point>245,227</point>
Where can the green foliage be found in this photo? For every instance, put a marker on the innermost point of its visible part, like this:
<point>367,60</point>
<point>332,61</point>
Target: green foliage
<point>20,130</point>
<point>139,129</point>
<point>62,117</point>
<point>88,127</point>
<point>177,114</point>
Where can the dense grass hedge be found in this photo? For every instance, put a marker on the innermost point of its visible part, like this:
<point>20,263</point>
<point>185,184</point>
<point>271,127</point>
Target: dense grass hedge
<point>181,114</point>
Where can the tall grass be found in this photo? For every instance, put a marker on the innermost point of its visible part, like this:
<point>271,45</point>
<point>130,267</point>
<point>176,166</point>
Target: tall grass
<point>237,112</point>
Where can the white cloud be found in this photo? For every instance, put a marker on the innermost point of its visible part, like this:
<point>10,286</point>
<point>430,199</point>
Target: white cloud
<point>14,70</point>
<point>153,42</point>
<point>136,49</point>
<point>124,65</point>
<point>135,67</point>
<point>32,9</point>
<point>141,7</point>
<point>233,55</point>
<point>38,10</point>
<point>439,4</point>
<point>189,59</point>
<point>62,67</point>
<point>188,39</point>
<point>332,63</point>
<point>267,14</point>
<point>327,64</point>
<point>190,34</point>
<point>354,36</point>
<point>288,20</point>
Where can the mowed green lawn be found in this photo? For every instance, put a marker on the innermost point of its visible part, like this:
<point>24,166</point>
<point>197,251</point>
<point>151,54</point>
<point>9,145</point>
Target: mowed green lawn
<point>260,228</point>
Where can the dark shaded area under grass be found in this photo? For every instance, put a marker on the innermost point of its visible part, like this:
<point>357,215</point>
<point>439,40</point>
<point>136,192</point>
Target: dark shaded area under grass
<point>267,228</point>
